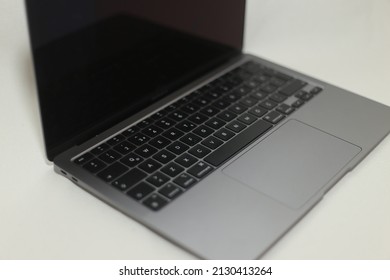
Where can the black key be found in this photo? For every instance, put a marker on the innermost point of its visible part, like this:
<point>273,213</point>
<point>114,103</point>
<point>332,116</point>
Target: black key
<point>278,82</point>
<point>116,139</point>
<point>94,165</point>
<point>130,131</point>
<point>198,118</point>
<point>212,142</point>
<point>285,109</point>
<point>215,123</point>
<point>159,142</point>
<point>316,90</point>
<point>155,202</point>
<point>292,87</point>
<point>165,123</point>
<point>274,117</point>
<point>269,88</point>
<point>172,169</point>
<point>110,156</point>
<point>186,126</point>
<point>268,104</point>
<point>178,148</point>
<point>243,90</point>
<point>224,134</point>
<point>203,131</point>
<point>221,104</point>
<point>185,181</point>
<point>258,95</point>
<point>227,116</point>
<point>149,165</point>
<point>129,179</point>
<point>247,118</point>
<point>131,160</point>
<point>164,156</point>
<point>227,150</point>
<point>146,151</point>
<point>124,147</point>
<point>238,108</point>
<point>199,151</point>
<point>210,111</point>
<point>83,158</point>
<point>277,97</point>
<point>178,116</point>
<point>201,101</point>
<point>152,131</point>
<point>171,191</point>
<point>139,139</point>
<point>190,108</point>
<point>248,101</point>
<point>158,179</point>
<point>145,123</point>
<point>190,139</point>
<point>253,84</point>
<point>160,114</point>
<point>258,111</point>
<point>112,172</point>
<point>100,149</point>
<point>236,126</point>
<point>173,134</point>
<point>307,96</point>
<point>298,103</point>
<point>186,160</point>
<point>232,97</point>
<point>140,191</point>
<point>200,170</point>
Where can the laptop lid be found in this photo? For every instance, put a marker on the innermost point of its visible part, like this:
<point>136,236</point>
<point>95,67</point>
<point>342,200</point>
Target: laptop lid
<point>97,62</point>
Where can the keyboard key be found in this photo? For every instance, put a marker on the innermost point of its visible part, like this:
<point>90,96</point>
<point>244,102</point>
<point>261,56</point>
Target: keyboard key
<point>190,139</point>
<point>173,134</point>
<point>236,126</point>
<point>269,88</point>
<point>221,104</point>
<point>238,108</point>
<point>258,111</point>
<point>203,131</point>
<point>170,191</point>
<point>100,149</point>
<point>215,123</point>
<point>285,109</point>
<point>186,126</point>
<point>200,170</point>
<point>198,118</point>
<point>191,108</point>
<point>248,101</point>
<point>298,103</point>
<point>277,97</point>
<point>268,104</point>
<point>227,116</point>
<point>146,151</point>
<point>172,169</point>
<point>149,165</point>
<point>199,151</point>
<point>230,148</point>
<point>129,179</point>
<point>185,181</point>
<point>152,131</point>
<point>139,139</point>
<point>210,111</point>
<point>164,156</point>
<point>258,95</point>
<point>95,165</point>
<point>178,148</point>
<point>159,142</point>
<point>292,87</point>
<point>247,118</point>
<point>274,117</point>
<point>112,172</point>
<point>144,123</point>
<point>124,147</point>
<point>158,179</point>
<point>131,160</point>
<point>201,101</point>
<point>178,116</point>
<point>83,158</point>
<point>140,191</point>
<point>186,160</point>
<point>212,142</point>
<point>155,202</point>
<point>130,131</point>
<point>224,134</point>
<point>165,123</point>
<point>116,139</point>
<point>316,90</point>
<point>110,156</point>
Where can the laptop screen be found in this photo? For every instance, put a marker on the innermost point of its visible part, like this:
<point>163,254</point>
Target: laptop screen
<point>98,62</point>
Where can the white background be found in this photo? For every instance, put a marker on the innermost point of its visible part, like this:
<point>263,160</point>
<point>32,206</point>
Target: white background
<point>44,216</point>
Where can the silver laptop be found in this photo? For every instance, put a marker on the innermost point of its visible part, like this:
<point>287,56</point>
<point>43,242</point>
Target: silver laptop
<point>152,107</point>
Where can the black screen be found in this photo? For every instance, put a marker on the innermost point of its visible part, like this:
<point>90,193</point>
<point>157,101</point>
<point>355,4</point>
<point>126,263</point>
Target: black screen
<point>98,62</point>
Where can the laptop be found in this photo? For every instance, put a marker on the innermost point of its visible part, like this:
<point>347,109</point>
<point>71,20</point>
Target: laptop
<point>152,107</point>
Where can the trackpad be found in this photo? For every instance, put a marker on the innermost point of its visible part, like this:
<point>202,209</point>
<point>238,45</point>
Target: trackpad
<point>293,163</point>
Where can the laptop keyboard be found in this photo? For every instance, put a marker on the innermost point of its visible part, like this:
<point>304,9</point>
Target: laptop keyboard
<point>162,156</point>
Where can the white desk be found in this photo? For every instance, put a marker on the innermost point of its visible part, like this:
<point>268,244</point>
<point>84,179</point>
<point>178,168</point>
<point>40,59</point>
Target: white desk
<point>44,216</point>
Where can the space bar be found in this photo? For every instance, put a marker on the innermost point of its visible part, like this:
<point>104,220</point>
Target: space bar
<point>228,149</point>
